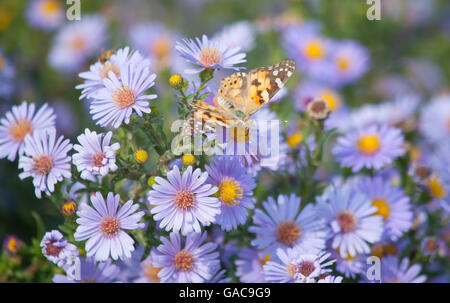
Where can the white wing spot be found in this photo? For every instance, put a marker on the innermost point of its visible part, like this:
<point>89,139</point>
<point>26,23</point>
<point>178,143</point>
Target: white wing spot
<point>279,83</point>
<point>265,95</point>
<point>275,72</point>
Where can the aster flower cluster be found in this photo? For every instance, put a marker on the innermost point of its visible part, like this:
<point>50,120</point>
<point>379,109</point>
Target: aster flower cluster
<point>337,185</point>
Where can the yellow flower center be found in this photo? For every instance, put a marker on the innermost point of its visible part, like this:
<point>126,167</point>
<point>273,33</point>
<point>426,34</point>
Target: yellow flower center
<point>436,189</point>
<point>150,272</point>
<point>123,97</point>
<point>288,232</point>
<point>69,208</point>
<point>50,7</point>
<point>141,156</point>
<point>183,261</point>
<point>110,226</point>
<point>230,192</point>
<point>2,63</point>
<point>383,207</point>
<point>42,164</point>
<point>6,15</point>
<point>239,134</point>
<point>161,47</point>
<point>294,140</point>
<point>314,50</point>
<point>369,144</point>
<point>184,199</point>
<point>13,245</point>
<point>209,56</point>
<point>264,260</point>
<point>20,129</point>
<point>188,159</point>
<point>343,63</point>
<point>97,159</point>
<point>332,98</point>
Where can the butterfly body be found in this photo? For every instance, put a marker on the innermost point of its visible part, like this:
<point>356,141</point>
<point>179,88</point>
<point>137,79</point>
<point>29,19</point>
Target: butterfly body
<point>240,95</point>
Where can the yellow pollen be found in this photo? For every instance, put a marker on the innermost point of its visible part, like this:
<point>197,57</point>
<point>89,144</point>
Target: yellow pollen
<point>183,261</point>
<point>332,98</point>
<point>209,56</point>
<point>435,187</point>
<point>230,192</point>
<point>343,63</point>
<point>141,156</point>
<point>20,129</point>
<point>2,63</point>
<point>291,268</point>
<point>151,272</point>
<point>110,226</point>
<point>294,140</point>
<point>288,232</point>
<point>265,259</point>
<point>383,207</point>
<point>188,159</point>
<point>123,97</point>
<point>184,200</point>
<point>347,221</point>
<point>97,159</point>
<point>314,50</point>
<point>42,164</point>
<point>151,181</point>
<point>50,7</point>
<point>368,145</point>
<point>107,67</point>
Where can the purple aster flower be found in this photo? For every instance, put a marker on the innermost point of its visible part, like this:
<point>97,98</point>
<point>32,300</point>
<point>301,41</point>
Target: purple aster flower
<point>95,156</point>
<point>183,202</point>
<point>297,266</point>
<point>46,14</point>
<point>435,119</point>
<point>393,206</point>
<point>7,73</point>
<point>156,41</point>
<point>209,54</point>
<point>281,225</point>
<point>220,277</point>
<point>240,34</point>
<point>87,270</point>
<point>76,42</point>
<point>349,61</point>
<point>115,103</point>
<point>20,121</point>
<point>308,48</point>
<point>371,147</point>
<point>57,250</point>
<point>347,265</point>
<point>12,244</point>
<point>235,191</point>
<point>331,279</point>
<point>186,260</point>
<point>249,265</point>
<point>352,222</point>
<point>393,271</point>
<point>45,160</point>
<point>103,226</point>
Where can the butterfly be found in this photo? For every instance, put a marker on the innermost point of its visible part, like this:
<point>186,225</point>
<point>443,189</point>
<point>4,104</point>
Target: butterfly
<point>240,95</point>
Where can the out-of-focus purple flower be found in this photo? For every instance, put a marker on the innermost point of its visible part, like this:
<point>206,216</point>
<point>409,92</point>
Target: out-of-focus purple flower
<point>393,271</point>
<point>370,147</point>
<point>87,270</point>
<point>249,265</point>
<point>282,226</point>
<point>240,34</point>
<point>435,120</point>
<point>46,14</point>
